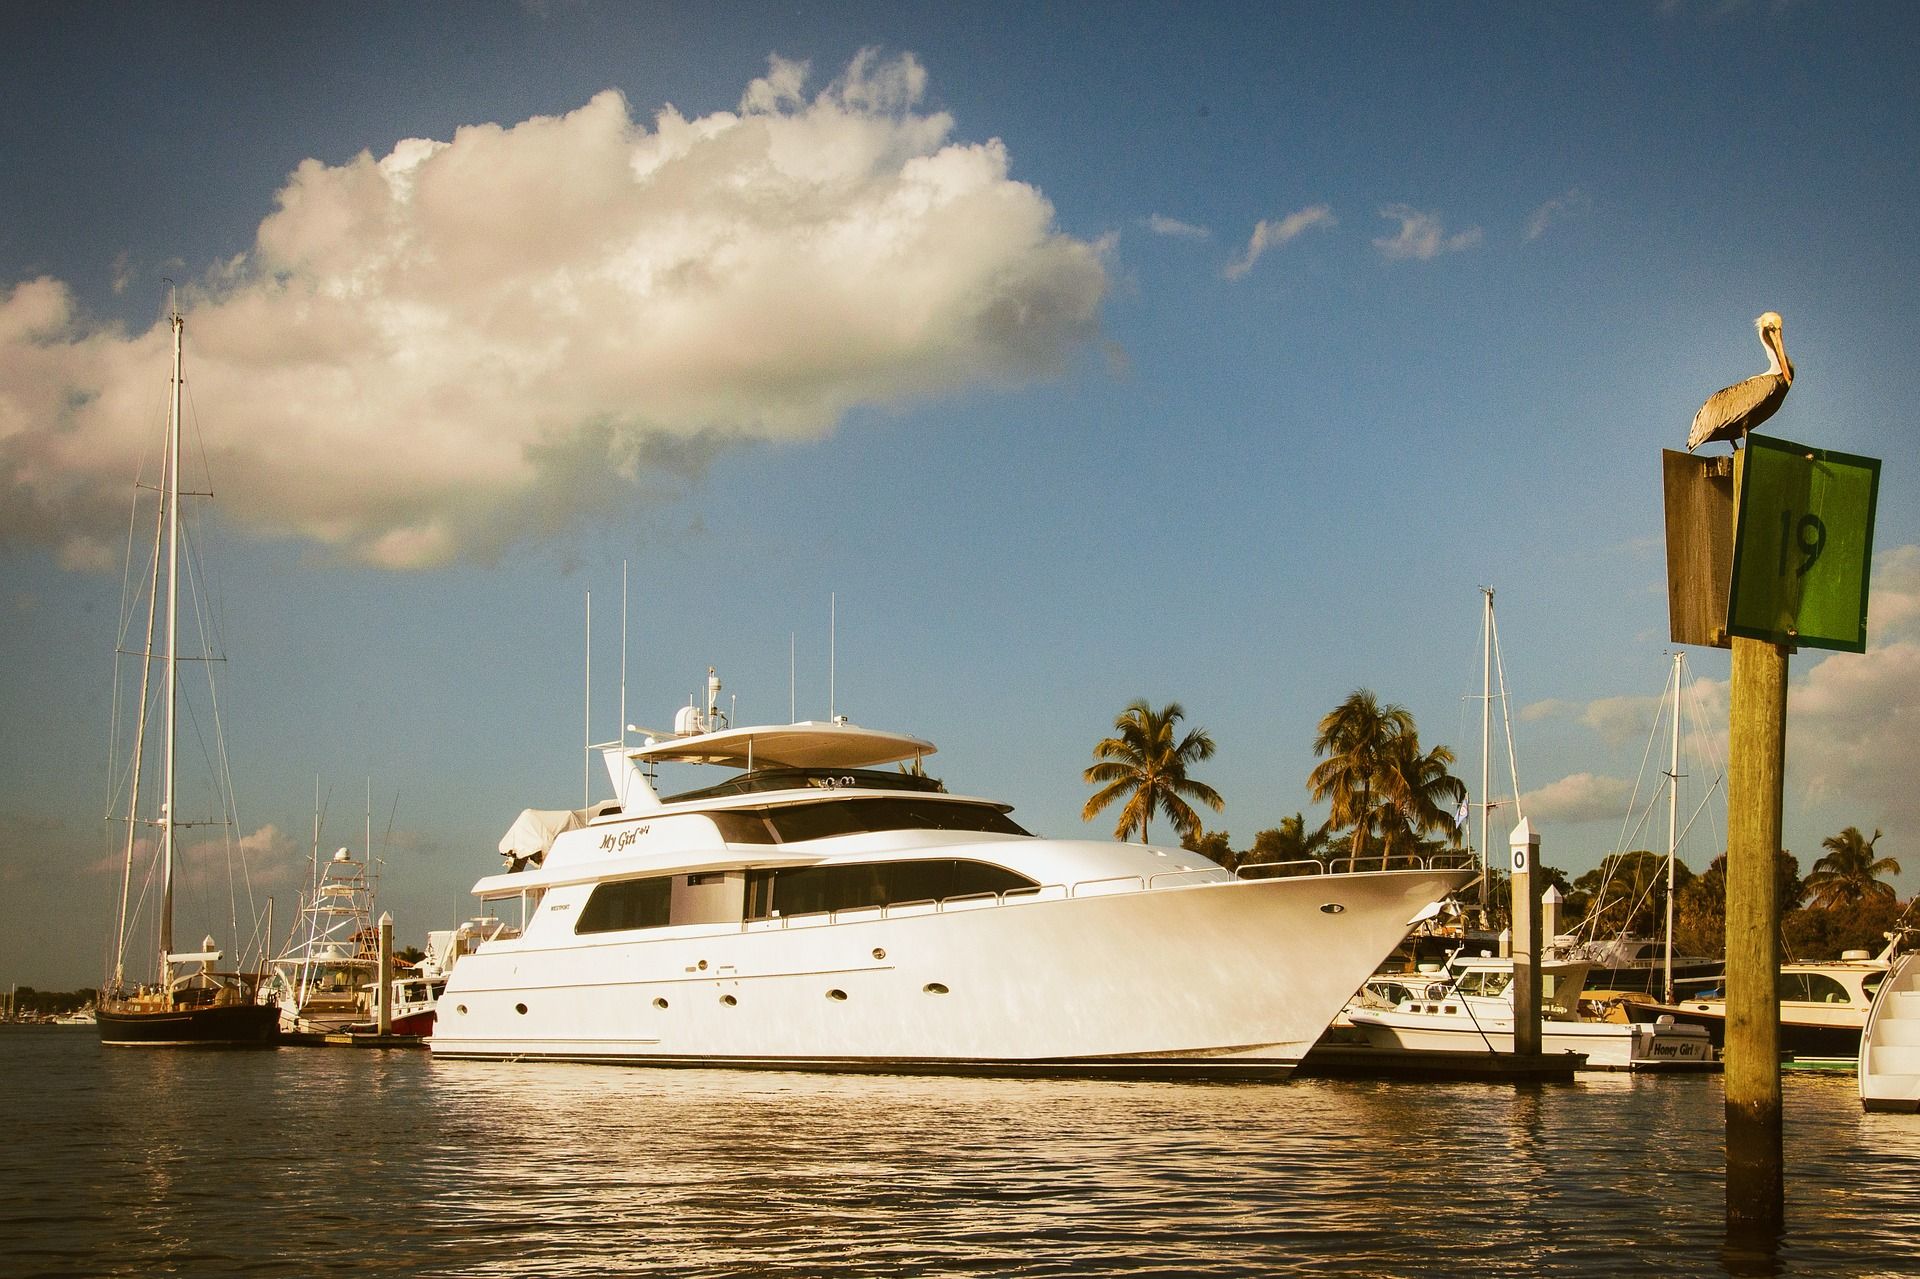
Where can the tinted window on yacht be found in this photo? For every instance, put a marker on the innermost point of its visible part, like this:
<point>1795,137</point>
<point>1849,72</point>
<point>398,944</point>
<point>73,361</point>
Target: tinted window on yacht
<point>623,904</point>
<point>768,779</point>
<point>852,816</point>
<point>743,828</point>
<point>823,888</point>
<point>1813,988</point>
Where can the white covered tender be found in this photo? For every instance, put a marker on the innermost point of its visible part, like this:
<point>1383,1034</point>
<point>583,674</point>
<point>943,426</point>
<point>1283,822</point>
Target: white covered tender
<point>533,832</point>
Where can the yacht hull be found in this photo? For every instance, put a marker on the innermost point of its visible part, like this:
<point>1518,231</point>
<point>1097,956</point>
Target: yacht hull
<point>218,1026</point>
<point>1224,980</point>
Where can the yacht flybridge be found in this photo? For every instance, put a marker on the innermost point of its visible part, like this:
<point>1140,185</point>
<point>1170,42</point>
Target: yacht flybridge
<point>822,910</point>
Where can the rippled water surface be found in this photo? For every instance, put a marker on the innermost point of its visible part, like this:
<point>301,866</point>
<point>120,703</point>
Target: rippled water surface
<point>352,1161</point>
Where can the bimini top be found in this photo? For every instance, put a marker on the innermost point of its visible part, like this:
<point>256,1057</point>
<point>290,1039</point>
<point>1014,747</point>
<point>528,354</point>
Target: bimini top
<point>811,744</point>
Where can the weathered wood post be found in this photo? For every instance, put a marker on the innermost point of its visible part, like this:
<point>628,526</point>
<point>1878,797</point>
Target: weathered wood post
<point>1524,845</point>
<point>383,993</point>
<point>1756,764</point>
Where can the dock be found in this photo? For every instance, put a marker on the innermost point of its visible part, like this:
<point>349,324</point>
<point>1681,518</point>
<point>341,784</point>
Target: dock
<point>1359,1061</point>
<point>349,1039</point>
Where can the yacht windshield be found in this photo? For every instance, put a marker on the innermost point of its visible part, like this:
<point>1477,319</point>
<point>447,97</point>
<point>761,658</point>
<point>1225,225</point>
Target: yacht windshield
<point>771,779</point>
<point>792,823</point>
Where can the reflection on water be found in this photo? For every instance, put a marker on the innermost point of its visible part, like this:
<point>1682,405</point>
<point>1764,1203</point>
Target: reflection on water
<point>156,1162</point>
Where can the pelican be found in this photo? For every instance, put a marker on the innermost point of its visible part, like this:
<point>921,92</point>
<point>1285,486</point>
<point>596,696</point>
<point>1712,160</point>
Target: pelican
<point>1730,413</point>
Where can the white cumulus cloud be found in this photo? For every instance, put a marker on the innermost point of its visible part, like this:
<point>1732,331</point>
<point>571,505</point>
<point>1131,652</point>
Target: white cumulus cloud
<point>1269,234</point>
<point>1578,797</point>
<point>1853,721</point>
<point>468,342</point>
<point>1422,236</point>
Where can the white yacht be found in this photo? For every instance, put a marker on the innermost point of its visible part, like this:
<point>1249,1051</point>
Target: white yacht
<point>821,910</point>
<point>1889,1061</point>
<point>1823,1006</point>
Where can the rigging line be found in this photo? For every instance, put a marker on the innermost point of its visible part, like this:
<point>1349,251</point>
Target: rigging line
<point>218,764</point>
<point>1478,1028</point>
<point>1633,801</point>
<point>1697,718</point>
<point>387,835</point>
<point>1506,720</point>
<point>1697,811</point>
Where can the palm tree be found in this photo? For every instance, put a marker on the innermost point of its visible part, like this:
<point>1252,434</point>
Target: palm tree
<point>1354,738</point>
<point>1145,765</point>
<point>1291,841</point>
<point>1418,798</point>
<point>1849,872</point>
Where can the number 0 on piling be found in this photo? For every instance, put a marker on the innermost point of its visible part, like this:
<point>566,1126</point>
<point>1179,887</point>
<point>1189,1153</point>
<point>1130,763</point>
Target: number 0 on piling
<point>1803,545</point>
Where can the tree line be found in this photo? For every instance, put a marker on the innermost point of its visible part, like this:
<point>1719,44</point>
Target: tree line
<point>1389,797</point>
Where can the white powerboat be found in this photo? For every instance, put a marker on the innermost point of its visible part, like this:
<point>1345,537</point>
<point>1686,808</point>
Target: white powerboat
<point>1889,1061</point>
<point>323,978</point>
<point>1469,1008</point>
<point>819,910</point>
<point>1823,1006</point>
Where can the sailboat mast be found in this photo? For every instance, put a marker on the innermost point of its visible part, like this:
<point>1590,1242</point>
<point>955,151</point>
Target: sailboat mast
<point>1486,733</point>
<point>1673,817</point>
<point>173,656</point>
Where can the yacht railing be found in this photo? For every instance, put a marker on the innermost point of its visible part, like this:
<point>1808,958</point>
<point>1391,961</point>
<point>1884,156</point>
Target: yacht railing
<point>1357,865</point>
<point>1280,870</point>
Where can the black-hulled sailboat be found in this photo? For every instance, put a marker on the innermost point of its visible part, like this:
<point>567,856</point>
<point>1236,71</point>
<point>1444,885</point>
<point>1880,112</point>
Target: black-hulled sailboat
<point>191,1002</point>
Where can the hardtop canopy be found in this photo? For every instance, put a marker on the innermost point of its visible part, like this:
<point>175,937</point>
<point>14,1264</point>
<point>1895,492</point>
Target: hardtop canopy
<point>810,744</point>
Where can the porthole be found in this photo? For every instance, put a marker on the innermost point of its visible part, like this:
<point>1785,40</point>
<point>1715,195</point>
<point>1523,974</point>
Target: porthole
<point>728,1000</point>
<point>703,965</point>
<point>879,952</point>
<point>521,1009</point>
<point>460,1008</point>
<point>935,988</point>
<point>659,1003</point>
<point>837,995</point>
<point>1332,908</point>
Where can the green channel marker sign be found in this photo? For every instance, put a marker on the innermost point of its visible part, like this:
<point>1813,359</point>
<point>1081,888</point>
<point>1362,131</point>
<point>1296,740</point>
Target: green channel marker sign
<point>1802,546</point>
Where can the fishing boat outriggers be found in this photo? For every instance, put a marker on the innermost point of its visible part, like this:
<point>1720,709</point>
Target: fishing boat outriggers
<point>191,1001</point>
<point>821,910</point>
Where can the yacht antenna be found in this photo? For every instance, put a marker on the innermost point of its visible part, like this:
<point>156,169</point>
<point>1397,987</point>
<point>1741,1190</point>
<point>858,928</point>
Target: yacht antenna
<point>833,630</point>
<point>793,682</point>
<point>586,736</point>
<point>623,657</point>
<point>313,858</point>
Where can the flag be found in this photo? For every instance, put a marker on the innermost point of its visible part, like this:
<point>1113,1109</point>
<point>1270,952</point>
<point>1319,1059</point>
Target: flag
<point>1460,818</point>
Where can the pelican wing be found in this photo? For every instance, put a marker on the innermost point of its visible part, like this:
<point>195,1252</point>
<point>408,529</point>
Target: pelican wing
<point>1731,412</point>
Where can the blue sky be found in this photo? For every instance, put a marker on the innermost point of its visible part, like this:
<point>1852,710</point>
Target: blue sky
<point>1210,353</point>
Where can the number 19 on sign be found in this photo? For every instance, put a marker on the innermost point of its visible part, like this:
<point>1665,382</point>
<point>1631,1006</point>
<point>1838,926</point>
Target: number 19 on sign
<point>1803,545</point>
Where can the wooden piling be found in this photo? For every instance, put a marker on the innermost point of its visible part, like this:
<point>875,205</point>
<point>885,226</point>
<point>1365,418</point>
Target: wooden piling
<point>1755,772</point>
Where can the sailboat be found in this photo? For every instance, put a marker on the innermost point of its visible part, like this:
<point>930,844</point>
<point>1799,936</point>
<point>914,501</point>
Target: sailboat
<point>191,1001</point>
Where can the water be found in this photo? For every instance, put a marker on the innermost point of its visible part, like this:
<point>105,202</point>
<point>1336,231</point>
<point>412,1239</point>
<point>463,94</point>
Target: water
<point>325,1161</point>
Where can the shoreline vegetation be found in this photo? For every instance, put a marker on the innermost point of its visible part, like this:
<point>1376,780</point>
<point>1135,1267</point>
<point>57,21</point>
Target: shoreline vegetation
<point>1388,797</point>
